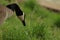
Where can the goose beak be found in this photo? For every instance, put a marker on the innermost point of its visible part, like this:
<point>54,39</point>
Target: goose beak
<point>22,18</point>
<point>23,22</point>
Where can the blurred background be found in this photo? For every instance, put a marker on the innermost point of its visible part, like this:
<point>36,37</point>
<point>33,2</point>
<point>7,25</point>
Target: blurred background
<point>42,21</point>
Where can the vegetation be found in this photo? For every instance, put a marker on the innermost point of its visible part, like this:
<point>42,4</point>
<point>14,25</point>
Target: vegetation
<point>42,24</point>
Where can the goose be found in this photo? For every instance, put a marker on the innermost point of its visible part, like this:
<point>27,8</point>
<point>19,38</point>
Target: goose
<point>7,11</point>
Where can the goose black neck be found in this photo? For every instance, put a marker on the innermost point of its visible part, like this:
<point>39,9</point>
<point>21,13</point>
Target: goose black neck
<point>16,8</point>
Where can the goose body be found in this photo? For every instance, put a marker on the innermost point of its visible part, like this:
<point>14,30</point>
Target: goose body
<point>4,13</point>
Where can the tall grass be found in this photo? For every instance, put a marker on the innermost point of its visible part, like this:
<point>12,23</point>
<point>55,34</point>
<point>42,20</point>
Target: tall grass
<point>41,24</point>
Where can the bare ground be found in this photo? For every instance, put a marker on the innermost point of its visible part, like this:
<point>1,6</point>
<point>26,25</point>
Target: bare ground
<point>54,4</point>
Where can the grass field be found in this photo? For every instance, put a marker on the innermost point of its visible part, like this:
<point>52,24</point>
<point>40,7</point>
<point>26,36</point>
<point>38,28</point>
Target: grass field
<point>41,24</point>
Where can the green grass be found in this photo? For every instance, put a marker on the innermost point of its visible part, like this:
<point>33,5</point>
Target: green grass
<point>41,24</point>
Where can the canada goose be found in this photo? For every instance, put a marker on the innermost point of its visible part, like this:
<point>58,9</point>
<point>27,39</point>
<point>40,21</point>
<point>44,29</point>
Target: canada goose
<point>19,13</point>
